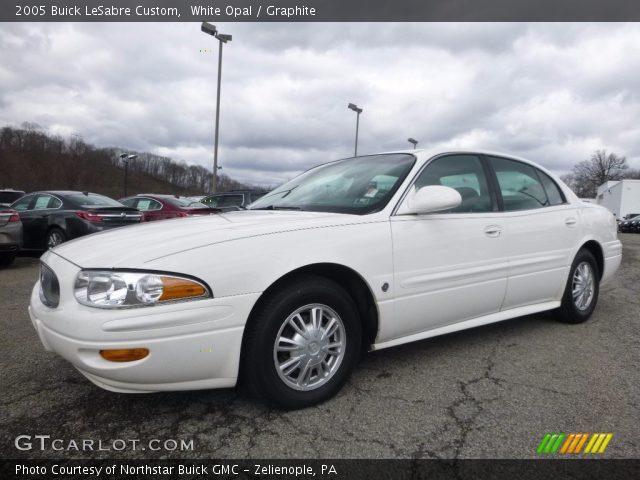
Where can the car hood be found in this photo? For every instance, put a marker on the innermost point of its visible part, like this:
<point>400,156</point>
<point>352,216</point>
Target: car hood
<point>134,246</point>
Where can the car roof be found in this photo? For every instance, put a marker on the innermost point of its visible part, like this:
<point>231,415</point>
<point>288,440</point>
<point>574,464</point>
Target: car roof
<point>65,192</point>
<point>236,192</point>
<point>159,195</point>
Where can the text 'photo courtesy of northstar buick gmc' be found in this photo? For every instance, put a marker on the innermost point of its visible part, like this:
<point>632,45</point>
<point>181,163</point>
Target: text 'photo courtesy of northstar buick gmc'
<point>353,255</point>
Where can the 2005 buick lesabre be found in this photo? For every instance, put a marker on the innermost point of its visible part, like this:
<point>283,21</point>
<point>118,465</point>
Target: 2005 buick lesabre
<point>358,254</point>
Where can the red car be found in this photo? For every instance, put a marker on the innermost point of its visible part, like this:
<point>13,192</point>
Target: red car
<point>161,207</point>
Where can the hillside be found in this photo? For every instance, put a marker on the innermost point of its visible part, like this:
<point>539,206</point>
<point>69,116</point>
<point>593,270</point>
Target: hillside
<point>31,159</point>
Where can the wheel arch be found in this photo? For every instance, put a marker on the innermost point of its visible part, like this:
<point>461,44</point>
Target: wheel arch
<point>596,250</point>
<point>354,284</point>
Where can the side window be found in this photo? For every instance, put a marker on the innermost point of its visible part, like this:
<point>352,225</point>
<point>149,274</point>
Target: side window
<point>129,202</point>
<point>231,200</point>
<point>553,192</point>
<point>519,185</point>
<point>44,202</point>
<point>22,204</point>
<point>466,175</point>
<point>147,204</point>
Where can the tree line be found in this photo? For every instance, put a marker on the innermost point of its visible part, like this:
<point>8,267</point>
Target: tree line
<point>32,159</point>
<point>587,175</point>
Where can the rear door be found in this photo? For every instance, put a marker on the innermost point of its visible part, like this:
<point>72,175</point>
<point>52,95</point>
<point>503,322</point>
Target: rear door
<point>449,266</point>
<point>540,232</point>
<point>42,210</point>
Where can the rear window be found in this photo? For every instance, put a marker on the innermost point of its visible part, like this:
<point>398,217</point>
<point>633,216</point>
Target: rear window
<point>93,200</point>
<point>185,202</point>
<point>10,197</point>
<point>553,191</point>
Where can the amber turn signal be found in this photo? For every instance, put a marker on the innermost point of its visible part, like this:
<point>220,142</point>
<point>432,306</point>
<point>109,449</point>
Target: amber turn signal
<point>176,288</point>
<point>125,354</point>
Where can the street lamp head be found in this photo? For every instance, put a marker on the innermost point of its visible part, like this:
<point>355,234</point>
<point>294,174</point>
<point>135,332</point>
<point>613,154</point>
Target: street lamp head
<point>224,38</point>
<point>209,29</point>
<point>354,107</point>
<point>123,156</point>
<point>412,140</point>
<point>132,157</point>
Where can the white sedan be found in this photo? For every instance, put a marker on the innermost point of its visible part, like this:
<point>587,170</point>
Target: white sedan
<point>358,254</point>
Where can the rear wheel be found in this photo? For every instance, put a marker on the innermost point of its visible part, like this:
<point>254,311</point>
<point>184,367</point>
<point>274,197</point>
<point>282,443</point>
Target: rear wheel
<point>581,292</point>
<point>302,344</point>
<point>55,237</point>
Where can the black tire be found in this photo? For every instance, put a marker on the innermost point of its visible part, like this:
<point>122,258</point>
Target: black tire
<point>7,259</point>
<point>570,311</point>
<point>259,372</point>
<point>55,237</point>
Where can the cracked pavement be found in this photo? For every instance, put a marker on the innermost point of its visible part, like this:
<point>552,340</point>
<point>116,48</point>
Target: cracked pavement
<point>489,392</point>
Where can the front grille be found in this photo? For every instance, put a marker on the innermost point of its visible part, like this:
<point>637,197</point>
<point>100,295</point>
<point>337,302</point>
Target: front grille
<point>49,287</point>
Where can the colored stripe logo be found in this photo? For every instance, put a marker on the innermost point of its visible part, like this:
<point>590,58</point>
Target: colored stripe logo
<point>573,443</point>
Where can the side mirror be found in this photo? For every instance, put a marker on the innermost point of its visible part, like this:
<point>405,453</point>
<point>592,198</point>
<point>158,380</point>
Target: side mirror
<point>431,198</point>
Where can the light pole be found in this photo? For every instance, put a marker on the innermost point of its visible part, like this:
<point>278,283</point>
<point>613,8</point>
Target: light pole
<point>358,111</point>
<point>413,141</point>
<point>125,157</point>
<point>222,38</point>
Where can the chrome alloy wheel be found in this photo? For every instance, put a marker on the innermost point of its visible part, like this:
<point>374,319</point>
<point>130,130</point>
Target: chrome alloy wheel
<point>54,239</point>
<point>309,347</point>
<point>582,286</point>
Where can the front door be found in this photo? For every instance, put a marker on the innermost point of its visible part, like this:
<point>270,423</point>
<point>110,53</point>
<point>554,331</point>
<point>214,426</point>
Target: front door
<point>449,266</point>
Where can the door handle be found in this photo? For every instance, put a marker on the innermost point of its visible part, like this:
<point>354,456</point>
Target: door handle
<point>570,221</point>
<point>493,231</point>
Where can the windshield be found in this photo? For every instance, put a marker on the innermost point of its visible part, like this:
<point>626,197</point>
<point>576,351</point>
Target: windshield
<point>357,185</point>
<point>91,200</point>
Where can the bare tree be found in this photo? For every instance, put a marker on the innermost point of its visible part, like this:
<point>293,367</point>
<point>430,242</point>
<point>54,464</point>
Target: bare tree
<point>588,175</point>
<point>570,180</point>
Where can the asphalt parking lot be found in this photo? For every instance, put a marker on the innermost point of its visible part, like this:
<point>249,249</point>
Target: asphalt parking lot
<point>490,392</point>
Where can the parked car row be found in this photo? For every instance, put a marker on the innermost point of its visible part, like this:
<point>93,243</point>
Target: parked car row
<point>42,220</point>
<point>630,224</point>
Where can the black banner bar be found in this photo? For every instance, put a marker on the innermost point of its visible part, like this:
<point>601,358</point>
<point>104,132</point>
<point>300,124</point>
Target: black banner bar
<point>317,10</point>
<point>320,469</point>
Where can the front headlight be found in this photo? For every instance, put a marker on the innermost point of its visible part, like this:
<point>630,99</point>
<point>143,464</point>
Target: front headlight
<point>113,289</point>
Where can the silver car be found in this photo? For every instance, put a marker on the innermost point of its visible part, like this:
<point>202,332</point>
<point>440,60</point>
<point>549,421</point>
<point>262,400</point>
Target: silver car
<point>10,236</point>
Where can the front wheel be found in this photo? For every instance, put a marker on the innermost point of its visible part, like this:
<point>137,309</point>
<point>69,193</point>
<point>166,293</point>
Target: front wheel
<point>302,343</point>
<point>581,292</point>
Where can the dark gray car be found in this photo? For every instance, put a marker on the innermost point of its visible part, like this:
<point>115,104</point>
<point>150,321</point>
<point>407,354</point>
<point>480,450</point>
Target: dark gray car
<point>233,200</point>
<point>10,235</point>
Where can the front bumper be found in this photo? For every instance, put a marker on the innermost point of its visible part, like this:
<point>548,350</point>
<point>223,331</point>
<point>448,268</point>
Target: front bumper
<point>192,345</point>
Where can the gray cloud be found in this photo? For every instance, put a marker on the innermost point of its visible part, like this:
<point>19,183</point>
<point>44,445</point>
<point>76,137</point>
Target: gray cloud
<point>550,92</point>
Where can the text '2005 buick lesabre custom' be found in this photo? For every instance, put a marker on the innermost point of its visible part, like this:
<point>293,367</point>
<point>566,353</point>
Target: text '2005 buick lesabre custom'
<point>358,254</point>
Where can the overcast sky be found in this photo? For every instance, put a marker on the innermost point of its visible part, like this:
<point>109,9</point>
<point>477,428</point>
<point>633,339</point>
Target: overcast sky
<point>549,92</point>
